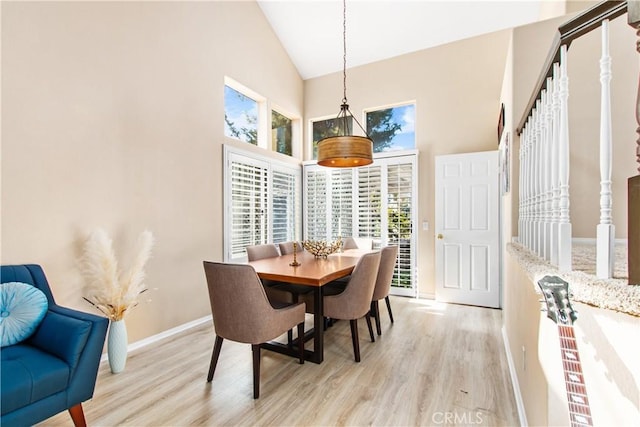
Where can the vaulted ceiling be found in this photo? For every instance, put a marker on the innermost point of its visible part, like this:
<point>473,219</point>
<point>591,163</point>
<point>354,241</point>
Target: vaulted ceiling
<point>311,30</point>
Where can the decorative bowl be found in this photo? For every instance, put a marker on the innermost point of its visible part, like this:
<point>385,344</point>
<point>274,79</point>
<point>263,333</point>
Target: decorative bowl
<point>320,248</point>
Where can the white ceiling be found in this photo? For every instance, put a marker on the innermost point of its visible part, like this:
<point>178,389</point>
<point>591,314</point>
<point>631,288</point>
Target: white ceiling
<point>311,30</point>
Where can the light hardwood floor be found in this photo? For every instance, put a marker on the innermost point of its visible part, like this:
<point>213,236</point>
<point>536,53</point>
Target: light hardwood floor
<point>439,364</point>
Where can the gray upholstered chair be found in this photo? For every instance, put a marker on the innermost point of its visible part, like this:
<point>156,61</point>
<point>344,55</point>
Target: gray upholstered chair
<point>355,301</point>
<point>256,252</point>
<point>242,313</point>
<point>388,259</point>
<point>286,248</point>
<point>357,243</point>
<point>276,295</point>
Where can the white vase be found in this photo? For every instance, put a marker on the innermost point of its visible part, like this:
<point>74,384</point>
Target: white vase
<point>117,346</point>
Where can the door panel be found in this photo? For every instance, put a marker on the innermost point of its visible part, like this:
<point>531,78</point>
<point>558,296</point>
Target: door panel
<point>467,229</point>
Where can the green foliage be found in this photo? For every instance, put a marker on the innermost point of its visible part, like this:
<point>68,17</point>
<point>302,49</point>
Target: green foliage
<point>381,128</point>
<point>247,134</point>
<point>282,132</point>
<point>399,223</point>
<point>324,129</point>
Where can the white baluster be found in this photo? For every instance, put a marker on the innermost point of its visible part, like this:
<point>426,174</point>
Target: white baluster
<point>547,171</point>
<point>542,172</point>
<point>606,229</point>
<point>538,179</point>
<point>555,154</point>
<point>564,228</point>
<point>526,185</point>
<point>530,183</point>
<point>520,192</point>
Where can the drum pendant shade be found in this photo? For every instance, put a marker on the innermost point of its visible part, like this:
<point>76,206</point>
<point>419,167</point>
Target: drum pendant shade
<point>345,150</point>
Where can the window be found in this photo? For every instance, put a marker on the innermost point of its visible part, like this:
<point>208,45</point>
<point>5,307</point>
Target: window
<point>400,205</point>
<point>370,202</point>
<point>240,116</point>
<point>262,202</point>
<point>341,203</point>
<point>378,202</point>
<point>281,133</point>
<point>315,203</point>
<point>284,190</point>
<point>324,128</point>
<point>392,128</point>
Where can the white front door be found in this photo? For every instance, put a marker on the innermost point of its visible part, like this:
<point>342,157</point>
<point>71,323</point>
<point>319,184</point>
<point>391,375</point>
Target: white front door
<point>467,229</point>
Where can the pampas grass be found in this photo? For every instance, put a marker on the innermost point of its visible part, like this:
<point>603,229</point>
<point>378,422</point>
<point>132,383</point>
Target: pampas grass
<point>111,291</point>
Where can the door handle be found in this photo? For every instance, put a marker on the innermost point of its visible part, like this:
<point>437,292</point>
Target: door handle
<point>440,236</point>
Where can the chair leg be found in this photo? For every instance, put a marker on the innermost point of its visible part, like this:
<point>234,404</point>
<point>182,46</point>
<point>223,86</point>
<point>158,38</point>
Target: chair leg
<point>354,338</point>
<point>256,370</point>
<point>368,319</point>
<point>375,309</point>
<point>389,307</point>
<point>301,342</point>
<point>214,357</point>
<point>77,415</point>
<point>295,298</point>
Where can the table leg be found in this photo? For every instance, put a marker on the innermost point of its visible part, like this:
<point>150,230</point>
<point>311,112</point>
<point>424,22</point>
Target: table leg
<point>317,355</point>
<point>318,325</point>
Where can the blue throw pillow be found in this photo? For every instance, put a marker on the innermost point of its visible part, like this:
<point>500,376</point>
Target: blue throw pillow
<point>22,308</point>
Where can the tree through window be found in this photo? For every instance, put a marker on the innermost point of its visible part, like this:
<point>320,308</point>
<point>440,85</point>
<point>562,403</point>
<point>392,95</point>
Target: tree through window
<point>240,116</point>
<point>392,128</point>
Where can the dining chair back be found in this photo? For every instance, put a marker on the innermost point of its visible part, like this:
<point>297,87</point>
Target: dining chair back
<point>256,252</point>
<point>275,291</point>
<point>242,313</point>
<point>357,243</point>
<point>388,260</point>
<point>286,248</point>
<point>355,301</point>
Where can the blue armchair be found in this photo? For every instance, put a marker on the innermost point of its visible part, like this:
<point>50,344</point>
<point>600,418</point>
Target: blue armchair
<point>56,368</point>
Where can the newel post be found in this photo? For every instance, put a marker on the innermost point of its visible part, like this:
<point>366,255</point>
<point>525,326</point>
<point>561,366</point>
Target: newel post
<point>633,217</point>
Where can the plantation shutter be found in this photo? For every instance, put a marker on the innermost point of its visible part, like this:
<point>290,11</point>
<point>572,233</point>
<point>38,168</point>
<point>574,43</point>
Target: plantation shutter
<point>249,204</point>
<point>400,208</point>
<point>284,204</point>
<point>315,196</point>
<point>370,203</point>
<point>377,202</point>
<point>341,204</point>
<point>262,202</point>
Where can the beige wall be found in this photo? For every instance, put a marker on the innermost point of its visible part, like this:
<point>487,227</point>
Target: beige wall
<point>112,116</point>
<point>456,89</point>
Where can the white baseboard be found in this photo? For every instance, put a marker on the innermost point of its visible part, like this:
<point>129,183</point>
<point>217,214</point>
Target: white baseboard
<point>514,380</point>
<point>157,337</point>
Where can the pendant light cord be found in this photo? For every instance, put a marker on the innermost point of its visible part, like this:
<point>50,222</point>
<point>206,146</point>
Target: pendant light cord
<point>344,55</point>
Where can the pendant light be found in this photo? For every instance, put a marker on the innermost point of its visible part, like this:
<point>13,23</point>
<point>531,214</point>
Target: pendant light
<point>345,150</point>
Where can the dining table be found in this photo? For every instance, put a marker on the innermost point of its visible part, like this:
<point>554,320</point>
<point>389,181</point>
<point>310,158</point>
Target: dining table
<point>315,273</point>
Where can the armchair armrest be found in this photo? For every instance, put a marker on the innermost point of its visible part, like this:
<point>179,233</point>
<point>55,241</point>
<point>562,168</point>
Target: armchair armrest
<point>77,338</point>
<point>62,336</point>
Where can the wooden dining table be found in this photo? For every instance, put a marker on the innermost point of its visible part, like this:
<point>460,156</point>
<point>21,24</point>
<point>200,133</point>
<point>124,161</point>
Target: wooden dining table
<point>312,272</point>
